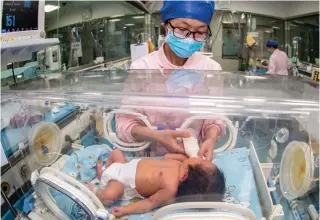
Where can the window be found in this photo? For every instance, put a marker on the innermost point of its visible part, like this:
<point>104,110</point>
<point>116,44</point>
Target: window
<point>308,29</point>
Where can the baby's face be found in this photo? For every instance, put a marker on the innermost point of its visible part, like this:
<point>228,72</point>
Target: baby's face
<point>205,164</point>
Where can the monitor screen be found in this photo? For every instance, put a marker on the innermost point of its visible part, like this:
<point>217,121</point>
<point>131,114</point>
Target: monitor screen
<point>19,16</point>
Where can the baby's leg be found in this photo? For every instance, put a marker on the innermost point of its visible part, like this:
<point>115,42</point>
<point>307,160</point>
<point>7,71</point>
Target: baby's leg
<point>99,169</point>
<point>116,156</point>
<point>111,193</point>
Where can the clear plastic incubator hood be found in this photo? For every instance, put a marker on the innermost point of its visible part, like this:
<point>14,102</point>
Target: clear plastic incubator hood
<point>268,145</point>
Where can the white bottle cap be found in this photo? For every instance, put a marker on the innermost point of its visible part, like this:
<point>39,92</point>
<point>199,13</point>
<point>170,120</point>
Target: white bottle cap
<point>191,146</point>
<point>102,214</point>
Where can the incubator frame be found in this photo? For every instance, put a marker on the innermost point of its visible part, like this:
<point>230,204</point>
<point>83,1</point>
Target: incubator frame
<point>138,146</point>
<point>81,192</point>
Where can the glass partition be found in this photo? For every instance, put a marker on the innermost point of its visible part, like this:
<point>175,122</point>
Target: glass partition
<point>97,29</point>
<point>308,29</point>
<point>268,29</point>
<point>121,32</point>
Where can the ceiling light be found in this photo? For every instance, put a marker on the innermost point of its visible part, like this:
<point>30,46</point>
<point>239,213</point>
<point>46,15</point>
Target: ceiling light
<point>118,15</point>
<point>254,100</point>
<point>129,24</point>
<point>275,27</point>
<point>124,27</point>
<point>255,77</point>
<point>299,22</point>
<point>138,17</point>
<point>49,8</point>
<point>243,16</point>
<point>115,20</point>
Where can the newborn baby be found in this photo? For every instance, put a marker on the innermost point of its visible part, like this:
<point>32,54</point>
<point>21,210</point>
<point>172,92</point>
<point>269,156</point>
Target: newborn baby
<point>158,181</point>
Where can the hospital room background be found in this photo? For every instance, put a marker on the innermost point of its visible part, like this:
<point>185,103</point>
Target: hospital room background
<point>63,88</point>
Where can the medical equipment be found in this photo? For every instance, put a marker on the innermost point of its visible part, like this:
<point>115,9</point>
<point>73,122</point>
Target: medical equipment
<point>282,135</point>
<point>298,172</point>
<point>49,59</point>
<point>15,26</point>
<point>144,95</point>
<point>45,143</point>
<point>111,136</point>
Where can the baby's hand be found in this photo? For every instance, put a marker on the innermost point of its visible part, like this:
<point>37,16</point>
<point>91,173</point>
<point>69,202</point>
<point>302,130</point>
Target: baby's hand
<point>118,211</point>
<point>92,187</point>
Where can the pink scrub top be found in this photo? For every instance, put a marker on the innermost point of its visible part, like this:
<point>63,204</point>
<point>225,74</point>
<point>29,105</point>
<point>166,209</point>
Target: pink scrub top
<point>158,60</point>
<point>169,119</point>
<point>279,63</point>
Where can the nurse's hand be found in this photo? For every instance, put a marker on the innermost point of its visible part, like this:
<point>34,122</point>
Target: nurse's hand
<point>206,149</point>
<point>168,139</point>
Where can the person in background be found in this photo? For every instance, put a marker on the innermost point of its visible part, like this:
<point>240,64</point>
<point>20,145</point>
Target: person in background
<point>279,62</point>
<point>187,27</point>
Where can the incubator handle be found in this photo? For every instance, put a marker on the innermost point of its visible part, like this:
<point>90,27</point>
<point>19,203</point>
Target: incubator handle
<point>34,176</point>
<point>103,214</point>
<point>231,142</point>
<point>204,205</point>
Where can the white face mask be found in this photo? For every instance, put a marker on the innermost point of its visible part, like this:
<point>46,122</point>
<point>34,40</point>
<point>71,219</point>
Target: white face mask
<point>183,47</point>
<point>182,78</point>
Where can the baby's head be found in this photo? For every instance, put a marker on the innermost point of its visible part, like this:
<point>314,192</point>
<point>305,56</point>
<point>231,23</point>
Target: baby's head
<point>201,177</point>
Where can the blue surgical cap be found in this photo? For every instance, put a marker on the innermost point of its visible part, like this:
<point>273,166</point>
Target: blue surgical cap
<point>199,10</point>
<point>272,43</point>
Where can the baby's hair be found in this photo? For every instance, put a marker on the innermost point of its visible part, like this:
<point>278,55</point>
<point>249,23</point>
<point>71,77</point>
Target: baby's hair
<point>218,187</point>
<point>201,183</point>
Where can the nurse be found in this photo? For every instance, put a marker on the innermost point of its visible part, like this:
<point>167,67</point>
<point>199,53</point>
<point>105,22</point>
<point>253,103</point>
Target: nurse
<point>187,26</point>
<point>279,62</point>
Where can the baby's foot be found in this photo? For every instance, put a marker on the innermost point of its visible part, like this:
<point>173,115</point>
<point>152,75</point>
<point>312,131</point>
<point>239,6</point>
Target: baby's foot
<point>92,187</point>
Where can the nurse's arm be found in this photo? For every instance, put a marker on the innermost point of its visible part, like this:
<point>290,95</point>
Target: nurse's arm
<point>125,124</point>
<point>143,133</point>
<point>212,133</point>
<point>272,66</point>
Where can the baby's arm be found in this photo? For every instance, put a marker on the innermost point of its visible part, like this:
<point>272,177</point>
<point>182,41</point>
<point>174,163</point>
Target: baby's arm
<point>160,198</point>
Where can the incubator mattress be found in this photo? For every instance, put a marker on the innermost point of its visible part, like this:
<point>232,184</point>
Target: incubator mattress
<point>241,188</point>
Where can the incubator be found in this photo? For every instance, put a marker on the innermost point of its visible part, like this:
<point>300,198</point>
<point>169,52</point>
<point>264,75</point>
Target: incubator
<point>268,145</point>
